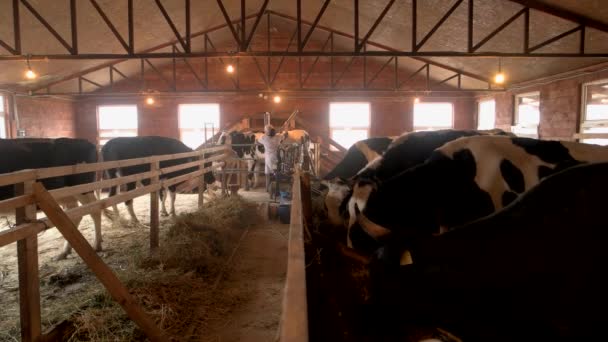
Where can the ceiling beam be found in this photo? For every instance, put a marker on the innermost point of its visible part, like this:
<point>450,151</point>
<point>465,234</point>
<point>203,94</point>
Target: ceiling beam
<point>564,14</point>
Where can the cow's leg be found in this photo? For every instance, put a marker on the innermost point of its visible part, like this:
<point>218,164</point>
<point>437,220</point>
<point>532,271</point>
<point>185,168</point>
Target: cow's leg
<point>173,194</point>
<point>129,203</point>
<point>163,199</point>
<point>113,173</point>
<point>66,246</point>
<point>96,216</point>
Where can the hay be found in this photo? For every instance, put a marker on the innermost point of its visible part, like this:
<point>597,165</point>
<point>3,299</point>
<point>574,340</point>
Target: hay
<point>174,286</point>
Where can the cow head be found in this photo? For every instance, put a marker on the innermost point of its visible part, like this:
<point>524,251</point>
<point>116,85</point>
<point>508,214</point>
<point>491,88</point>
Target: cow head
<point>339,191</point>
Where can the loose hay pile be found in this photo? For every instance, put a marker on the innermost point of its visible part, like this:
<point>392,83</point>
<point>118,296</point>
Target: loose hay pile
<point>176,287</point>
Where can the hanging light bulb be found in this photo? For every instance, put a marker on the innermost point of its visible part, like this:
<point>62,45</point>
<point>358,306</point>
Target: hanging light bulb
<point>276,99</point>
<point>230,69</point>
<point>29,73</point>
<point>500,77</point>
<point>150,100</point>
<point>416,100</point>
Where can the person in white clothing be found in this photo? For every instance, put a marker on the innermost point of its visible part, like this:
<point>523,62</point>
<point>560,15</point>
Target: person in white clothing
<point>271,142</point>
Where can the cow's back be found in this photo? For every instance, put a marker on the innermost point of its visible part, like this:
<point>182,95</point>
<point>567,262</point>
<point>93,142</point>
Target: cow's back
<point>13,157</point>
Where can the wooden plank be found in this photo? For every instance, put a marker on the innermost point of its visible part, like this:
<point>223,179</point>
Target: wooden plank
<point>154,210</point>
<point>306,203</point>
<point>79,189</point>
<point>24,230</point>
<point>15,202</point>
<point>294,319</point>
<point>27,253</point>
<point>105,275</point>
<point>17,177</point>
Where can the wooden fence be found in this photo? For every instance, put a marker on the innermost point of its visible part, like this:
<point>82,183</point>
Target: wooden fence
<point>294,318</point>
<point>31,193</point>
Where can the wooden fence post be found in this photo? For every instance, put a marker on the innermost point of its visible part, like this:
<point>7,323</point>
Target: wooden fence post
<point>154,210</point>
<point>27,252</point>
<point>104,273</point>
<point>201,182</point>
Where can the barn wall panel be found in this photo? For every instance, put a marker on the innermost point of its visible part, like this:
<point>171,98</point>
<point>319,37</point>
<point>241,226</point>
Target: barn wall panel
<point>44,117</point>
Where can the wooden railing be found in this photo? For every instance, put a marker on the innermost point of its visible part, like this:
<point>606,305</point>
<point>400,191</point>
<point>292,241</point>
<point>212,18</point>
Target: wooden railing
<point>294,318</point>
<point>30,192</point>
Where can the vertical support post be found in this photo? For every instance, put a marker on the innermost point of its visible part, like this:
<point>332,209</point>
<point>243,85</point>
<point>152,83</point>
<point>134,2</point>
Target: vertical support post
<point>306,202</point>
<point>188,34</point>
<point>396,72</point>
<point>27,253</point>
<point>414,16</point>
<point>582,41</point>
<point>331,60</point>
<point>268,47</point>
<point>131,33</point>
<point>74,26</point>
<point>527,30</point>
<point>356,26</point>
<point>201,182</point>
<point>243,27</point>
<point>16,26</point>
<point>206,65</point>
<point>111,78</point>
<point>299,23</point>
<point>470,28</point>
<point>154,210</point>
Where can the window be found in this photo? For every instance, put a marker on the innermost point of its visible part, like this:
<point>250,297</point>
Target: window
<point>2,118</point>
<point>198,123</point>
<point>116,121</point>
<point>527,115</point>
<point>432,116</point>
<point>486,114</point>
<point>349,122</point>
<point>594,118</point>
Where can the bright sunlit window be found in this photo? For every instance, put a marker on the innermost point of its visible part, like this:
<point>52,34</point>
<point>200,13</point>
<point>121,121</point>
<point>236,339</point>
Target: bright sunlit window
<point>2,118</point>
<point>198,123</point>
<point>527,115</point>
<point>594,119</point>
<point>486,114</point>
<point>432,116</point>
<point>349,122</point>
<point>116,121</point>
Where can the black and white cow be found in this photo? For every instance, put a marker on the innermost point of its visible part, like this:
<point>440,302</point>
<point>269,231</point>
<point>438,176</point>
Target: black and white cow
<point>461,181</point>
<point>243,144</point>
<point>407,150</point>
<point>35,153</point>
<point>146,146</point>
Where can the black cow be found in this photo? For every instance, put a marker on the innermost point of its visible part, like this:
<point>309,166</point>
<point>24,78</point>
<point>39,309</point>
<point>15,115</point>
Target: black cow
<point>463,180</point>
<point>358,156</point>
<point>36,153</point>
<point>146,146</point>
<point>409,149</point>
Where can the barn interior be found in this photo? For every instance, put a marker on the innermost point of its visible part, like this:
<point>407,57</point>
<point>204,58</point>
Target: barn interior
<point>342,71</point>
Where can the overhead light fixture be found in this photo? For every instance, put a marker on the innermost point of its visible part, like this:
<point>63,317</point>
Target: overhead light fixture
<point>230,69</point>
<point>29,73</point>
<point>276,99</point>
<point>150,100</point>
<point>416,100</point>
<point>500,77</point>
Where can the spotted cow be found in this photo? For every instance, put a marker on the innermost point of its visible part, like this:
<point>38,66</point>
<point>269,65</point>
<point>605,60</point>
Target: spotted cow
<point>407,150</point>
<point>463,180</point>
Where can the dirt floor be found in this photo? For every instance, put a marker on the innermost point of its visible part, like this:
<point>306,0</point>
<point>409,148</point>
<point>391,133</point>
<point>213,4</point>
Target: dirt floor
<point>255,275</point>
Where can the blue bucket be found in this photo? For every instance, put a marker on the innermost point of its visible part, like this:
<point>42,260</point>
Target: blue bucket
<point>284,213</point>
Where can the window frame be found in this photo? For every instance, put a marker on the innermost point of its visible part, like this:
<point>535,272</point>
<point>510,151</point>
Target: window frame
<point>516,125</point>
<point>583,122</point>
<point>100,130</point>
<point>367,128</point>
<point>479,112</point>
<point>204,128</point>
<point>3,117</point>
<point>431,128</point>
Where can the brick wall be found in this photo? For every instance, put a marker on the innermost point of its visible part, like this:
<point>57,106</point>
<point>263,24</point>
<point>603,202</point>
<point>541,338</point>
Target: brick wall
<point>41,117</point>
<point>560,106</point>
